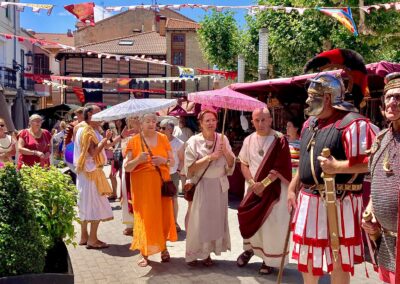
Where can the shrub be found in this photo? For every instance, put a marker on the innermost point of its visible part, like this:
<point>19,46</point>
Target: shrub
<point>54,197</point>
<point>22,248</point>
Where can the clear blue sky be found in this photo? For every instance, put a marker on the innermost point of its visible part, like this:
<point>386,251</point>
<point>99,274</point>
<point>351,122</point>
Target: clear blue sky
<point>60,20</point>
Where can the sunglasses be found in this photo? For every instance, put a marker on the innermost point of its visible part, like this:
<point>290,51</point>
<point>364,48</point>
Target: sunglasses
<point>163,128</point>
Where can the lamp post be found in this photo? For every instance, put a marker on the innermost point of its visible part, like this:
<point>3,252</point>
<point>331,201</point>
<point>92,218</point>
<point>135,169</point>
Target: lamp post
<point>241,68</point>
<point>263,54</point>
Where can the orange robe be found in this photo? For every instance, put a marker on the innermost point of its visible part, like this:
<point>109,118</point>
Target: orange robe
<point>154,215</point>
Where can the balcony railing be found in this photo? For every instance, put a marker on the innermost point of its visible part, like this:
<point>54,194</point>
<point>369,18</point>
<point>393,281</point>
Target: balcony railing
<point>8,77</point>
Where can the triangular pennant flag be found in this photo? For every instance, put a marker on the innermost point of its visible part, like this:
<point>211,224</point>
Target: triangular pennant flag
<point>343,15</point>
<point>84,12</point>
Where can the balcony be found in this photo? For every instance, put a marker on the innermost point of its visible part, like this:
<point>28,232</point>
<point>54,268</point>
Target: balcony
<point>8,77</point>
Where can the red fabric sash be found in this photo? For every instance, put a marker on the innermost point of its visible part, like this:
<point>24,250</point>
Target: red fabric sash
<point>254,210</point>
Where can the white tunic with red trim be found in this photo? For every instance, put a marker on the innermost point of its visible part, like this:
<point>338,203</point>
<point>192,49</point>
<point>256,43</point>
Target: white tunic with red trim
<point>310,225</point>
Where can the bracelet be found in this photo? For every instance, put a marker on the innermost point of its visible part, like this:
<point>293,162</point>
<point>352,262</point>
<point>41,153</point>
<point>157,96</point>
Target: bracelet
<point>209,158</point>
<point>168,162</point>
<point>34,153</point>
<point>251,181</point>
<point>267,181</point>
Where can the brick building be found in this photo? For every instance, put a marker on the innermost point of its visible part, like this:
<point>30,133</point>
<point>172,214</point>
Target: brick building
<point>164,35</point>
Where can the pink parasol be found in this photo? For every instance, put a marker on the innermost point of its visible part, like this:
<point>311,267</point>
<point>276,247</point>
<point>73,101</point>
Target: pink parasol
<point>226,98</point>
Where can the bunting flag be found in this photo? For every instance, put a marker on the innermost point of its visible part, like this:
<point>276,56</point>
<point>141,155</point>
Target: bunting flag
<point>35,7</point>
<point>80,94</point>
<point>343,15</point>
<point>227,74</point>
<point>39,78</point>
<point>84,12</point>
<point>185,72</point>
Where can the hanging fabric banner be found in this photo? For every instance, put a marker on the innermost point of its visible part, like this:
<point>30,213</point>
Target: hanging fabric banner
<point>185,72</point>
<point>84,12</point>
<point>35,7</point>
<point>227,74</point>
<point>343,15</point>
<point>80,94</point>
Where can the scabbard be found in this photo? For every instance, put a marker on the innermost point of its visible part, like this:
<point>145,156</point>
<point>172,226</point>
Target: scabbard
<point>331,213</point>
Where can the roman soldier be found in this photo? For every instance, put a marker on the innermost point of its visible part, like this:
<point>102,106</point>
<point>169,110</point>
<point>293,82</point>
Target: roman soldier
<point>334,140</point>
<point>385,180</point>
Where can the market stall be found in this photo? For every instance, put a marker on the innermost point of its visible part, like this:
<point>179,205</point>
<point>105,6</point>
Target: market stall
<point>286,96</point>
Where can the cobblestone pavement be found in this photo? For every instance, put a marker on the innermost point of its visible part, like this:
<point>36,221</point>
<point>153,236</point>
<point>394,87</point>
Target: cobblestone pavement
<point>117,264</point>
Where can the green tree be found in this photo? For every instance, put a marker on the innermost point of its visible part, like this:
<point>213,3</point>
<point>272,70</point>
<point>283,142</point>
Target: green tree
<point>219,39</point>
<point>295,38</point>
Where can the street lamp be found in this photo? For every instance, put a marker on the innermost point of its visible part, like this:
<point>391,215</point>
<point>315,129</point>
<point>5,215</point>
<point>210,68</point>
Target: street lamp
<point>241,68</point>
<point>263,54</point>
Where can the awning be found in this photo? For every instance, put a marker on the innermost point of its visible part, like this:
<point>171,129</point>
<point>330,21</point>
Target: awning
<point>293,89</point>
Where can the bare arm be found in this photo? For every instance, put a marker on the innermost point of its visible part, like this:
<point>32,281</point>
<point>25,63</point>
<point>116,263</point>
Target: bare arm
<point>332,166</point>
<point>246,172</point>
<point>131,163</point>
<point>26,151</point>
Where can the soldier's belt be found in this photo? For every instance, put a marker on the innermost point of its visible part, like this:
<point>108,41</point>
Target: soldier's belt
<point>342,187</point>
<point>389,233</point>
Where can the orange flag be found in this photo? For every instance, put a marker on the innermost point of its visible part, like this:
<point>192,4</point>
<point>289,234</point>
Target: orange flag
<point>84,12</point>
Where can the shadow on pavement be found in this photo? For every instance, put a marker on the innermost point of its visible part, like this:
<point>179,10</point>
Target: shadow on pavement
<point>120,250</point>
<point>223,271</point>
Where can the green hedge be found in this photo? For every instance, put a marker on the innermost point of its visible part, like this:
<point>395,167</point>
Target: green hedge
<point>37,209</point>
<point>22,247</point>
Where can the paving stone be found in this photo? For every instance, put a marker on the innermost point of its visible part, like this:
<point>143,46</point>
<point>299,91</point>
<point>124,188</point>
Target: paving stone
<point>118,263</point>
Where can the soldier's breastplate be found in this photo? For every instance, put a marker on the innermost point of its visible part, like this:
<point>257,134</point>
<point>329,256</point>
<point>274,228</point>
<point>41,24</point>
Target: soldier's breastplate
<point>328,137</point>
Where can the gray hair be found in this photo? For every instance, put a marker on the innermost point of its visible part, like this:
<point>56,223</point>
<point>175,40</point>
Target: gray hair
<point>167,122</point>
<point>144,116</point>
<point>35,116</point>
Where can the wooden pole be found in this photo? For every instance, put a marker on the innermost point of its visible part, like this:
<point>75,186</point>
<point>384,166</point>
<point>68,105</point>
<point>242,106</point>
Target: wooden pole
<point>282,266</point>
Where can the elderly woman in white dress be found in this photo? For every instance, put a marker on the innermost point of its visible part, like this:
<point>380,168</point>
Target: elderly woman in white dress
<point>207,220</point>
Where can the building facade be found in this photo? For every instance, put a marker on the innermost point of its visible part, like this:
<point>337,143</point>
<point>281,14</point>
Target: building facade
<point>163,35</point>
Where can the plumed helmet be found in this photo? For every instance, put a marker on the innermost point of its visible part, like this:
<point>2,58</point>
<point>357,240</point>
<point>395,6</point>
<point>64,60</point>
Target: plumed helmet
<point>353,64</point>
<point>332,85</point>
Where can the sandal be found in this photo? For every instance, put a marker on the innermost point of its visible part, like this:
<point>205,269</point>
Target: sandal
<point>244,258</point>
<point>208,262</point>
<point>143,262</point>
<point>98,245</point>
<point>192,263</point>
<point>165,257</point>
<point>265,270</point>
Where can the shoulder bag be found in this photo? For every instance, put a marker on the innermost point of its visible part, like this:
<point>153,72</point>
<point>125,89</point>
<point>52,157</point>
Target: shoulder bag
<point>168,188</point>
<point>190,188</point>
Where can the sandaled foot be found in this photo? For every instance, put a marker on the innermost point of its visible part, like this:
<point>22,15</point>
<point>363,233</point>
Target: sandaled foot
<point>83,243</point>
<point>97,246</point>
<point>143,262</point>
<point>192,263</point>
<point>244,258</point>
<point>165,257</point>
<point>208,262</point>
<point>265,270</point>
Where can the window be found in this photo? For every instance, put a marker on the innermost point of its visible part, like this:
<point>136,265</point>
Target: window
<point>8,11</point>
<point>178,57</point>
<point>125,42</point>
<point>178,38</point>
<point>178,86</point>
<point>41,64</point>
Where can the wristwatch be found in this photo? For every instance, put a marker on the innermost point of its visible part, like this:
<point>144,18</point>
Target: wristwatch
<point>168,162</point>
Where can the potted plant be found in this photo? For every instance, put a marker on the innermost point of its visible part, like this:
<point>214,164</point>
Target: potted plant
<point>53,198</point>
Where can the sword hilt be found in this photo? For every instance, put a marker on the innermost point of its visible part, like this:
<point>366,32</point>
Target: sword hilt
<point>326,153</point>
